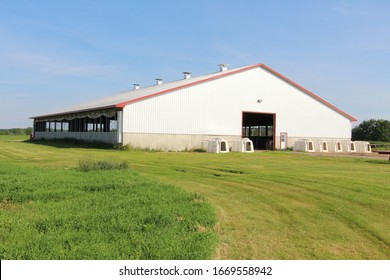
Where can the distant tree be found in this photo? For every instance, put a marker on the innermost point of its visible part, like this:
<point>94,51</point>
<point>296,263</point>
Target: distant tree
<point>28,130</point>
<point>372,130</point>
<point>16,131</point>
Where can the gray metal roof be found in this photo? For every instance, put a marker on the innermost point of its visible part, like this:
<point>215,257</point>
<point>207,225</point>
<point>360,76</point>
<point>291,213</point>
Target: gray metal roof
<point>121,99</point>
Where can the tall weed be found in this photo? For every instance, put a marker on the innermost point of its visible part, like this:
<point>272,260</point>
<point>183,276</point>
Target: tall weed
<point>86,165</point>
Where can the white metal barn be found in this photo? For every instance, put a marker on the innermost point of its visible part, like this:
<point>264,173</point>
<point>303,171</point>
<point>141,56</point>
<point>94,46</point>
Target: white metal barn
<point>255,102</point>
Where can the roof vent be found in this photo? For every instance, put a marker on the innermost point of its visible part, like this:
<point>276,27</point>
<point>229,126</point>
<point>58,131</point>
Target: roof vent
<point>223,67</point>
<point>159,81</point>
<point>187,75</point>
<point>136,86</point>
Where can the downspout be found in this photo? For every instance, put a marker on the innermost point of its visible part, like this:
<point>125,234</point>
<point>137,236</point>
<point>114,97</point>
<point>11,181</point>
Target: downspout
<point>34,130</point>
<point>120,127</point>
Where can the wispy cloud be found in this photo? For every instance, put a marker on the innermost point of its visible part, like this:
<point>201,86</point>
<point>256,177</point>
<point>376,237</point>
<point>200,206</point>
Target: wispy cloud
<point>26,64</point>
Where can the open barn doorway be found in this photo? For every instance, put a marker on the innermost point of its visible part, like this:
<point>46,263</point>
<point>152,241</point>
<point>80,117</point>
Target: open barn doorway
<point>260,128</point>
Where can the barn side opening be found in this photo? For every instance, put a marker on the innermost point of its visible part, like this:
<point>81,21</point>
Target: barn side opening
<point>100,122</point>
<point>98,126</point>
<point>260,128</point>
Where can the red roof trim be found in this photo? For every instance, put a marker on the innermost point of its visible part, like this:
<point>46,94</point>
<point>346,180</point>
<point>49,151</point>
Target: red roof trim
<point>123,104</point>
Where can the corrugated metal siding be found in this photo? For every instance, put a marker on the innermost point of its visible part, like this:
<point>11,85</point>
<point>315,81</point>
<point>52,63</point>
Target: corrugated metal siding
<point>216,107</point>
<point>202,109</point>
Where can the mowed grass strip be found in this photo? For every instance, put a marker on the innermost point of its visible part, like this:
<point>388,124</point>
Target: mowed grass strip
<point>281,205</point>
<point>50,213</point>
<point>270,205</point>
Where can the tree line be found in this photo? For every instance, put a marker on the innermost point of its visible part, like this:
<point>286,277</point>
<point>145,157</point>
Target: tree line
<point>16,131</point>
<point>372,130</point>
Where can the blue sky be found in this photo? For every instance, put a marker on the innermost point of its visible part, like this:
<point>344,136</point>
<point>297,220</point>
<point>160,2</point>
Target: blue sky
<point>58,53</point>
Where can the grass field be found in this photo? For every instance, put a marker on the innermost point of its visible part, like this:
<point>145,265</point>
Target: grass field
<point>268,205</point>
<point>49,211</point>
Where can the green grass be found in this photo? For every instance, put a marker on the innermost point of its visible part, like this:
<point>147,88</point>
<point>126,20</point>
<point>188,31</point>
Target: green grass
<point>269,205</point>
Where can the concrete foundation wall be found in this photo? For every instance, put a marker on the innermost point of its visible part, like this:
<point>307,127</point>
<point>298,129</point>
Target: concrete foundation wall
<point>105,137</point>
<point>171,142</point>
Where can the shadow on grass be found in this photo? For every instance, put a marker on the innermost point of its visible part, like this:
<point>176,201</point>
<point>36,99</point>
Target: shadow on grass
<point>378,161</point>
<point>73,143</point>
